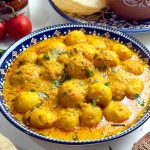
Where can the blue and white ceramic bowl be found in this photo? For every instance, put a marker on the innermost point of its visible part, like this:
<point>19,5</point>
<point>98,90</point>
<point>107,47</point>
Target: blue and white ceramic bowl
<point>40,35</point>
<point>107,18</point>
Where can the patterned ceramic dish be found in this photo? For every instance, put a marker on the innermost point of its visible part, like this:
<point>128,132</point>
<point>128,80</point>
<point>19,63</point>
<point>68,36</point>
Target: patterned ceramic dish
<point>40,35</point>
<point>107,18</point>
<point>131,9</point>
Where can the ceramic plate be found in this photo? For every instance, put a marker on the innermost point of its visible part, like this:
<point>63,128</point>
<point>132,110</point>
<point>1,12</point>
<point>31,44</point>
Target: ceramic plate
<point>107,18</point>
<point>16,49</point>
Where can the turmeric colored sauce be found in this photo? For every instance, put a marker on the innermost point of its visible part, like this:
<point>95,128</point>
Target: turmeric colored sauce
<point>78,80</point>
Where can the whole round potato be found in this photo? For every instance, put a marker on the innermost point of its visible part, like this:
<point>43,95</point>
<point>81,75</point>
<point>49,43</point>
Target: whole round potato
<point>53,70</point>
<point>118,89</point>
<point>72,93</point>
<point>28,57</point>
<point>68,119</point>
<point>117,112</point>
<point>42,118</point>
<point>101,93</point>
<point>134,86</point>
<point>24,74</point>
<point>122,51</point>
<point>99,44</point>
<point>55,44</point>
<point>84,49</point>
<point>133,67</point>
<point>25,101</point>
<point>75,37</point>
<point>90,115</point>
<point>78,67</point>
<point>118,75</point>
<point>106,58</point>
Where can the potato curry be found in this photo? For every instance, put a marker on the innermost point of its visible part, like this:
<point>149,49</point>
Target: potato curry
<point>78,87</point>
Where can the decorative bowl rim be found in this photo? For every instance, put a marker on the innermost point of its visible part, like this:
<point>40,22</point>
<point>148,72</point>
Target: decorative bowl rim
<point>26,130</point>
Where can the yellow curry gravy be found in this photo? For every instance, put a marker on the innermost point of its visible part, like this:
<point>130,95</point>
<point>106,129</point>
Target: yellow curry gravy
<point>78,87</point>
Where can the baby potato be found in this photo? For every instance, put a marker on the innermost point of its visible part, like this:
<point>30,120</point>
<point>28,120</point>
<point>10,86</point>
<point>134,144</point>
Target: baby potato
<point>55,44</point>
<point>134,86</point>
<point>122,51</point>
<point>118,75</point>
<point>42,118</point>
<point>64,58</point>
<point>58,45</point>
<point>99,44</point>
<point>117,112</point>
<point>84,49</point>
<point>72,94</point>
<point>53,70</point>
<point>78,67</point>
<point>75,37</point>
<point>25,101</point>
<point>25,74</point>
<point>28,57</point>
<point>101,93</point>
<point>118,90</point>
<point>133,66</point>
<point>68,119</point>
<point>90,115</point>
<point>106,58</point>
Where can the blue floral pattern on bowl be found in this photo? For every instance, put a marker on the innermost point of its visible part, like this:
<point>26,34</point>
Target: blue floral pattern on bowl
<point>107,18</point>
<point>16,49</point>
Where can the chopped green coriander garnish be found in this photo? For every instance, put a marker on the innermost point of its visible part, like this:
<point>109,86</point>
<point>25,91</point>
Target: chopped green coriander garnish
<point>46,56</point>
<point>94,102</point>
<point>54,51</point>
<point>95,81</point>
<point>64,94</point>
<point>57,83</point>
<point>42,94</point>
<point>18,72</point>
<point>39,104</point>
<point>57,52</point>
<point>107,83</point>
<point>103,75</point>
<point>137,95</point>
<point>64,77</point>
<point>89,72</point>
<point>32,90</point>
<point>139,99</point>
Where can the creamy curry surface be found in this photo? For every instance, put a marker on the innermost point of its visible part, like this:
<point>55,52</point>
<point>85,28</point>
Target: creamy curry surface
<point>78,87</point>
